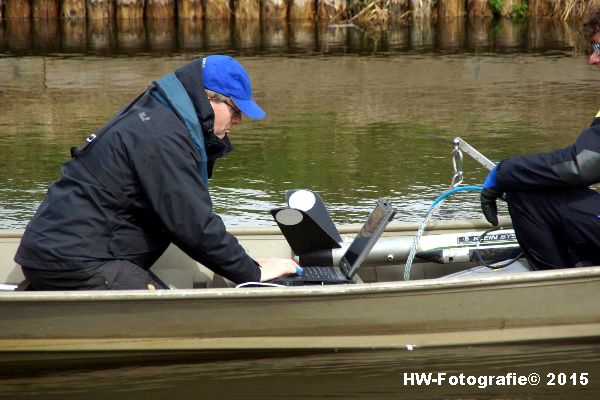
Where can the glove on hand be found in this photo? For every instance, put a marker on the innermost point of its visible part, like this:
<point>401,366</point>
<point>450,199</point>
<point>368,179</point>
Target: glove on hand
<point>488,198</point>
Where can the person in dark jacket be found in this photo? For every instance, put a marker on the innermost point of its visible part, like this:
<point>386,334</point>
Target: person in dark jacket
<point>555,215</point>
<point>140,183</point>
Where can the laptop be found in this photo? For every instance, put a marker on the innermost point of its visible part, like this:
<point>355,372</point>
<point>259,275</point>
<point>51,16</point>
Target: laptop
<point>350,262</point>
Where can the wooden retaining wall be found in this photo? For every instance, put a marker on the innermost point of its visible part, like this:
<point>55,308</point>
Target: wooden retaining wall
<point>328,10</point>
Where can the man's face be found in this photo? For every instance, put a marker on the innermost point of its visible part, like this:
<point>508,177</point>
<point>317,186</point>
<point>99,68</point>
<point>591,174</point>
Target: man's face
<point>226,116</point>
<point>595,56</point>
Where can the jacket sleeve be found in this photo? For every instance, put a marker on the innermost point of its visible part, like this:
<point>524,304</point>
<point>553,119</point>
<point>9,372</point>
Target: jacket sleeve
<point>166,165</point>
<point>577,165</point>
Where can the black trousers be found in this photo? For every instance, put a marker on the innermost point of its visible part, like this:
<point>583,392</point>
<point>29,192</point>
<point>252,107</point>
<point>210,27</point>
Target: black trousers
<point>112,275</point>
<point>557,229</point>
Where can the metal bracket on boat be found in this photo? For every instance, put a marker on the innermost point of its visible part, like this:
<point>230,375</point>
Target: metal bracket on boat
<point>470,150</point>
<point>457,165</point>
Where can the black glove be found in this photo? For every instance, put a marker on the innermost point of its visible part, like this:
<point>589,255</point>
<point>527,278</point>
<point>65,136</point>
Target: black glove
<point>488,204</point>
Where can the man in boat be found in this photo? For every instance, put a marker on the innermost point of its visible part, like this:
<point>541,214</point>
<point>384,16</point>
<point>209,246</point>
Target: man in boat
<point>555,215</point>
<point>140,183</point>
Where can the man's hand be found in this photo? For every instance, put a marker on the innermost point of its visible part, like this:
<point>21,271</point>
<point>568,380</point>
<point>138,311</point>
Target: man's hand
<point>489,195</point>
<point>272,268</point>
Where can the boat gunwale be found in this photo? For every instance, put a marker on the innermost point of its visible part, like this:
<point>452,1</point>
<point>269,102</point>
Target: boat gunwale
<point>378,288</point>
<point>395,226</point>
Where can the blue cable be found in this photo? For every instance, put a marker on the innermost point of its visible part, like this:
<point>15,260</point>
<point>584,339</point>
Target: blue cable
<point>452,191</point>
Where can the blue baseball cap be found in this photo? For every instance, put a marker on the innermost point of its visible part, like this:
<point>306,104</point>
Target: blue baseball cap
<point>226,76</point>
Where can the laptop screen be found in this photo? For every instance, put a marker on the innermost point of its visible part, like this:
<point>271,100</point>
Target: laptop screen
<point>366,238</point>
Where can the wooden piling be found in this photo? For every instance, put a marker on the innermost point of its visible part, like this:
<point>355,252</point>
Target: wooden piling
<point>44,9</point>
<point>99,9</point>
<point>217,33</point>
<point>478,8</point>
<point>302,34</point>
<point>129,9</point>
<point>74,34</point>
<point>189,9</point>
<point>72,9</point>
<point>189,33</point>
<point>421,8</point>
<point>246,9</point>
<point>510,34</point>
<point>17,9</point>
<point>101,34</point>
<point>399,9</point>
<point>451,32</point>
<point>161,34</point>
<point>274,9</point>
<point>217,9</point>
<point>160,9</point>
<point>538,8</point>
<point>508,6</point>
<point>478,33</point>
<point>247,33</point>
<point>451,8</point>
<point>301,10</point>
<point>18,34</point>
<point>131,34</point>
<point>46,36</point>
<point>274,34</point>
<point>331,10</point>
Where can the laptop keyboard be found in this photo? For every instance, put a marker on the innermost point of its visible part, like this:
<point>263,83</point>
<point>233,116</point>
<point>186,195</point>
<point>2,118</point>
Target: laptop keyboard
<point>321,273</point>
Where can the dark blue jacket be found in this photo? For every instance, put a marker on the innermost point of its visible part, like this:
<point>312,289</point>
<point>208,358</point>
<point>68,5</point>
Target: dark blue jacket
<point>574,166</point>
<point>147,151</point>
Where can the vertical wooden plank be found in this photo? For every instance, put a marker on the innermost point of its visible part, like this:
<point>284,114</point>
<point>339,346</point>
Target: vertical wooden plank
<point>510,35</point>
<point>189,9</point>
<point>421,8</point>
<point>129,9</point>
<point>72,9</point>
<point>161,34</point>
<point>100,9</point>
<point>131,34</point>
<point>539,8</point>
<point>331,9</point>
<point>46,34</point>
<point>301,10</point>
<point>246,9</point>
<point>101,34</point>
<point>451,8</point>
<point>160,9</point>
<point>274,34</point>
<point>73,34</point>
<point>507,7</point>
<point>451,32</point>
<point>44,9</point>
<point>17,9</point>
<point>247,33</point>
<point>189,33</point>
<point>18,34</point>
<point>274,9</point>
<point>398,9</point>
<point>478,8</point>
<point>218,34</point>
<point>303,34</point>
<point>2,2</point>
<point>217,9</point>
<point>479,33</point>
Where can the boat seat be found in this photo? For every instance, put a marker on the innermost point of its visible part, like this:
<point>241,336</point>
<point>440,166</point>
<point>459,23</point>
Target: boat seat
<point>520,265</point>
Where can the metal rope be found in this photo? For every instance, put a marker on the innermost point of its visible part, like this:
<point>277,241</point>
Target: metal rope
<point>457,178</point>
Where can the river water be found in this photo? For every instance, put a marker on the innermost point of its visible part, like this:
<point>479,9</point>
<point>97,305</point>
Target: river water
<point>353,114</point>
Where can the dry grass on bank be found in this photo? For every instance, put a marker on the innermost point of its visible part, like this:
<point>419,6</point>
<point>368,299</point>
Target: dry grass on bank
<point>567,9</point>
